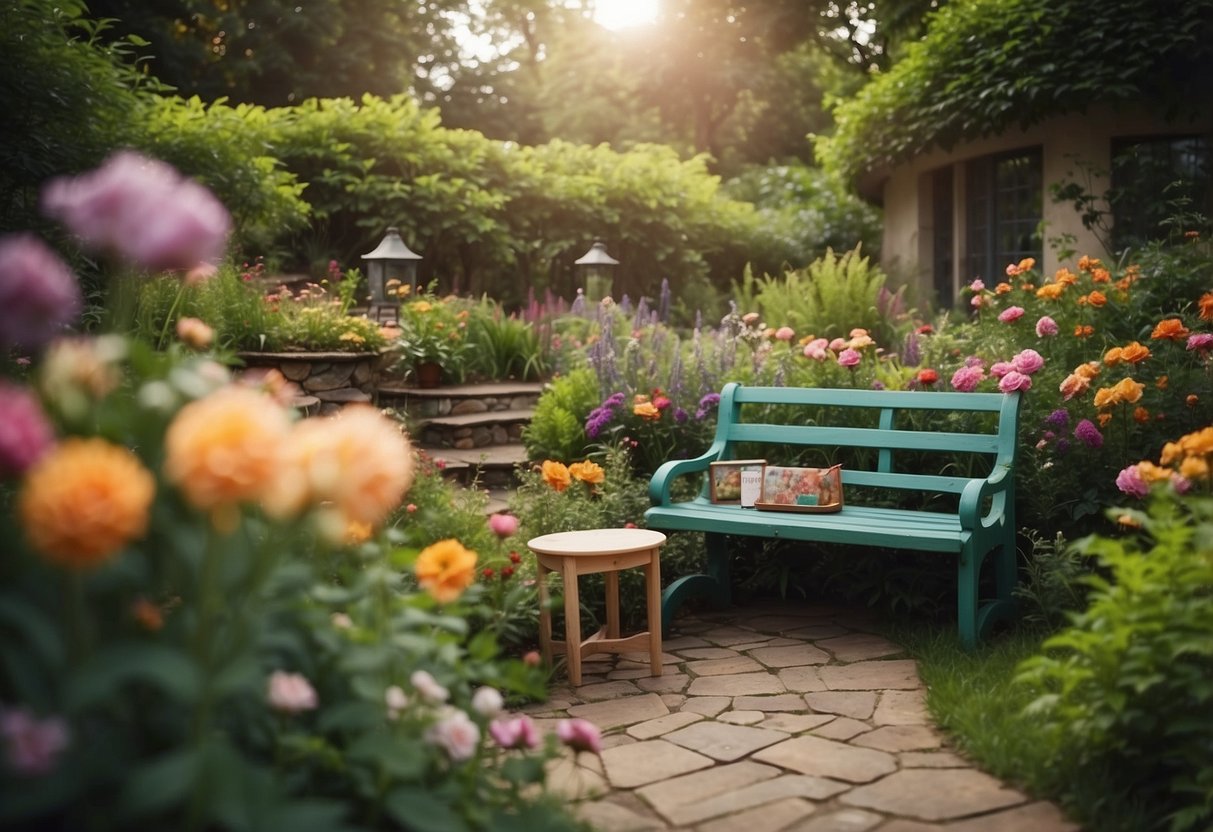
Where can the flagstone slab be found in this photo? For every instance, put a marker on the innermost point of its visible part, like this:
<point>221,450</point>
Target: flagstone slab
<point>642,657</point>
<point>785,702</point>
<point>616,740</point>
<point>812,632</point>
<point>890,674</point>
<point>723,741</point>
<point>673,701</point>
<point>844,820</point>
<point>707,705</point>
<point>933,794</point>
<point>606,690</point>
<point>903,825</point>
<point>709,653</point>
<point>778,623</point>
<point>795,723</point>
<point>627,710</point>
<point>857,704</point>
<point>801,679</point>
<point>677,645</point>
<point>1037,817</point>
<point>728,801</point>
<point>767,818</point>
<point>842,728</point>
<point>728,636</point>
<point>932,759</point>
<point>634,673</point>
<point>641,763</point>
<point>723,667</point>
<point>607,816</point>
<point>668,795</point>
<point>902,707</point>
<point>791,655</point>
<point>663,725</point>
<point>826,758</point>
<point>900,738</point>
<point>573,782</point>
<point>736,684</point>
<point>741,717</point>
<point>668,683</point>
<point>858,647</point>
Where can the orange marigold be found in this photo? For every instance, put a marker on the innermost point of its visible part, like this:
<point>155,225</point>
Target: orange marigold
<point>1100,276</point>
<point>1104,418</point>
<point>1129,391</point>
<point>1191,400</point>
<point>1089,370</point>
<point>1113,356</point>
<point>84,501</point>
<point>1084,331</point>
<point>225,449</point>
<point>445,569</point>
<point>1163,382</point>
<point>647,410</point>
<point>1050,291</point>
<point>1171,329</point>
<point>1153,473</point>
<point>1086,263</point>
<point>587,471</point>
<point>1106,397</point>
<point>1206,306</point>
<point>1141,415</point>
<point>1198,442</point>
<point>1097,298</point>
<point>1134,352</point>
<point>149,616</point>
<point>1074,385</point>
<point>1065,277</point>
<point>1002,288</point>
<point>556,474</point>
<point>1194,468</point>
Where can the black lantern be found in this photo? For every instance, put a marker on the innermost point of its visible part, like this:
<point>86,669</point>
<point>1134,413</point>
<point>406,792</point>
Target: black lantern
<point>597,270</point>
<point>391,260</point>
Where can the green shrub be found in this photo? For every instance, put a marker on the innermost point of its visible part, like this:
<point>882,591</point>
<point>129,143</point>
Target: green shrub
<point>502,346</point>
<point>1128,687</point>
<point>557,430</point>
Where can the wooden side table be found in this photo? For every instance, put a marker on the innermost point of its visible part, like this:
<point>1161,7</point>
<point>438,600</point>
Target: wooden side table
<point>586,553</point>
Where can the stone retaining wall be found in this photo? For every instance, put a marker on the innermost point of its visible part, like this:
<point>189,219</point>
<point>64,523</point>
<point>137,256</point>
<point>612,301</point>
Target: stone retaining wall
<point>327,380</point>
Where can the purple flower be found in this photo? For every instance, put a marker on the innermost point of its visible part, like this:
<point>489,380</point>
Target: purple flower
<point>849,358</point>
<point>1046,327</point>
<point>911,350</point>
<point>39,295</point>
<point>966,379</point>
<point>31,745</point>
<point>1011,314</point>
<point>143,210</point>
<point>1086,432</point>
<point>25,435</point>
<point>598,419</point>
<point>579,735</point>
<point>1059,418</point>
<point>706,404</point>
<point>1013,381</point>
<point>878,385</point>
<point>614,400</point>
<point>1027,362</point>
<point>518,732</point>
<point>680,415</point>
<point>1130,481</point>
<point>1062,447</point>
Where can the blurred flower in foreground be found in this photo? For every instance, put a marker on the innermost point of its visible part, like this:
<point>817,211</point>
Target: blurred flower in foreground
<point>143,210</point>
<point>445,570</point>
<point>194,333</point>
<point>39,295</point>
<point>456,734</point>
<point>487,701</point>
<point>428,687</point>
<point>290,693</point>
<point>84,501</point>
<point>580,735</point>
<point>30,744</point>
<point>516,732</point>
<point>503,525</point>
<point>25,434</point>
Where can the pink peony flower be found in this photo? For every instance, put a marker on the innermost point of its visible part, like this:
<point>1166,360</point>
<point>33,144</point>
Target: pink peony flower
<point>503,525</point>
<point>1200,341</point>
<point>966,379</point>
<point>1011,313</point>
<point>1180,484</point>
<point>456,734</point>
<point>977,285</point>
<point>1014,380</point>
<point>818,349</point>
<point>487,701</point>
<point>32,745</point>
<point>519,732</point>
<point>39,295</point>
<point>977,301</point>
<point>25,435</point>
<point>849,357</point>
<point>1001,368</point>
<point>1046,327</point>
<point>143,210</point>
<point>579,735</point>
<point>1027,362</point>
<point>838,344</point>
<point>784,333</point>
<point>290,693</point>
<point>1130,481</point>
<point>429,688</point>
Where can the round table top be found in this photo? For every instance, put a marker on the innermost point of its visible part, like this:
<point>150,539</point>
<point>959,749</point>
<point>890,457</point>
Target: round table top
<point>596,542</point>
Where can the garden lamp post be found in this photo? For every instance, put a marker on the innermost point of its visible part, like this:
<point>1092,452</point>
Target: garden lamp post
<point>391,260</point>
<point>597,268</point>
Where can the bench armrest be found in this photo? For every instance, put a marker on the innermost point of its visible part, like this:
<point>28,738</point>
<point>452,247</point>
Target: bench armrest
<point>998,486</point>
<point>663,478</point>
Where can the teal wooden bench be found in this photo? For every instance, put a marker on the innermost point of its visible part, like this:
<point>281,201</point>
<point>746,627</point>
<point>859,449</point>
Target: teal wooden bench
<point>901,424</point>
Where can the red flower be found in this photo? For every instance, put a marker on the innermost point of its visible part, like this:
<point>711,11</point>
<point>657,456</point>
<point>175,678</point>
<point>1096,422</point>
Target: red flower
<point>487,573</point>
<point>927,376</point>
<point>506,572</point>
<point>515,557</point>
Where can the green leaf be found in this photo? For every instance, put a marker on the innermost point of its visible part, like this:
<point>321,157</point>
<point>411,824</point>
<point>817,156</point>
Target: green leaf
<point>160,784</point>
<point>400,759</point>
<point>419,810</point>
<point>118,665</point>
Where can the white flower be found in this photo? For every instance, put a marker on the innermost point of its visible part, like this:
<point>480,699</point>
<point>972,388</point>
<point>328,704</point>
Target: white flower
<point>395,700</point>
<point>290,693</point>
<point>341,621</point>
<point>429,688</point>
<point>456,734</point>
<point>487,702</point>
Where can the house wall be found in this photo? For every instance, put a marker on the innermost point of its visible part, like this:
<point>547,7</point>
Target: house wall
<point>907,249</point>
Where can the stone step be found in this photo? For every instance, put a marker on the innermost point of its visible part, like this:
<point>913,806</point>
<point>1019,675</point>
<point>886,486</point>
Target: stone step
<point>473,431</point>
<point>459,400</point>
<point>495,464</point>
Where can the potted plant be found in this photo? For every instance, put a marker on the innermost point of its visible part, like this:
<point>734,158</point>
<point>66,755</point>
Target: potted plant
<point>432,340</point>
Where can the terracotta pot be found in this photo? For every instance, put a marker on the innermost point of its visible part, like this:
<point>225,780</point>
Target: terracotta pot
<point>427,374</point>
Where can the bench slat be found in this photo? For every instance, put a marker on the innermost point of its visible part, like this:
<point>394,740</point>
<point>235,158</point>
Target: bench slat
<point>895,399</point>
<point>916,440</point>
<point>905,482</point>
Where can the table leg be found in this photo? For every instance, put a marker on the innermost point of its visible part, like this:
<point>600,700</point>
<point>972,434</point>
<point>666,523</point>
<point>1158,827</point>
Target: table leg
<point>572,620</point>
<point>652,578</point>
<point>545,616</point>
<point>611,579</point>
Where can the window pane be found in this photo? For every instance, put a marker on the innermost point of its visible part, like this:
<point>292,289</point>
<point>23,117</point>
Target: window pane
<point>1153,180</point>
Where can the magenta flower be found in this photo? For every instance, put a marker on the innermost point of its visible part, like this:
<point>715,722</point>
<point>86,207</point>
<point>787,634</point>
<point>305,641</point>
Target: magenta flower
<point>142,210</point>
<point>503,525</point>
<point>849,357</point>
<point>1011,313</point>
<point>1086,432</point>
<point>784,333</point>
<point>1014,380</point>
<point>32,745</point>
<point>518,732</point>
<point>39,295</point>
<point>1200,341</point>
<point>579,735</point>
<point>1001,368</point>
<point>25,435</point>
<point>1130,481</point>
<point>966,379</point>
<point>1027,362</point>
<point>1046,327</point>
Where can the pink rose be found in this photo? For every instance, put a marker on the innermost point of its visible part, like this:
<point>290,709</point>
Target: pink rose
<point>817,349</point>
<point>519,732</point>
<point>290,693</point>
<point>1001,368</point>
<point>579,735</point>
<point>503,525</point>
<point>32,745</point>
<point>1130,482</point>
<point>143,210</point>
<point>455,734</point>
<point>784,333</point>
<point>1011,313</point>
<point>1014,380</point>
<point>25,434</point>
<point>396,701</point>
<point>849,357</point>
<point>39,295</point>
<point>428,687</point>
<point>1028,362</point>
<point>487,701</point>
<point>977,285</point>
<point>966,379</point>
<point>838,344</point>
<point>1046,327</point>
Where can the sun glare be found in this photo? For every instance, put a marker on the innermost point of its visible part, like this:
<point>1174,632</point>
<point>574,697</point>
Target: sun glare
<point>624,14</point>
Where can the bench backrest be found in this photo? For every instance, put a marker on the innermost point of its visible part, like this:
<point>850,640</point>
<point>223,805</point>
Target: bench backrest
<point>891,423</point>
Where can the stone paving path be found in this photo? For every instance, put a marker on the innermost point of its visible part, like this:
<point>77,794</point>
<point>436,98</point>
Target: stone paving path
<point>775,718</point>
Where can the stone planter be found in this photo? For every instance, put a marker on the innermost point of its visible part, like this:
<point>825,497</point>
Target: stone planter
<point>327,380</point>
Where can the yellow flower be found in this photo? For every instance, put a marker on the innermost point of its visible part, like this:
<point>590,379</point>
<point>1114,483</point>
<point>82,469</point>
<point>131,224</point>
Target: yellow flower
<point>84,501</point>
<point>1171,452</point>
<point>353,337</point>
<point>1129,390</point>
<point>404,291</point>
<point>445,570</point>
<point>421,306</point>
<point>1171,329</point>
<point>1050,291</point>
<point>590,472</point>
<point>556,474</point>
<point>1194,468</point>
<point>1113,356</point>
<point>1106,397</point>
<point>225,449</point>
<point>1198,442</point>
<point>647,410</point>
<point>356,532</point>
